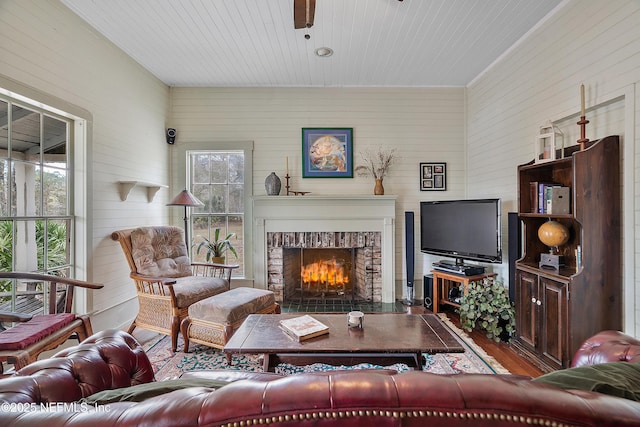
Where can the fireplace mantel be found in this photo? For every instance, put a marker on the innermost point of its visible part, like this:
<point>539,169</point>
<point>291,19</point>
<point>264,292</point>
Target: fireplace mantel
<point>357,213</point>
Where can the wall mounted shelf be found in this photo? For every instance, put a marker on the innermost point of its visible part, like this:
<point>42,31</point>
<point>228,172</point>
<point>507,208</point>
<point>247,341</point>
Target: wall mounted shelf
<point>125,188</point>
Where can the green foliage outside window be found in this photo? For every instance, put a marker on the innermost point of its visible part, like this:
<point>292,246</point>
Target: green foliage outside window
<point>57,237</point>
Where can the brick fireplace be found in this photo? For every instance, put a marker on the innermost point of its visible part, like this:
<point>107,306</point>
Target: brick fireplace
<point>305,266</point>
<point>361,226</point>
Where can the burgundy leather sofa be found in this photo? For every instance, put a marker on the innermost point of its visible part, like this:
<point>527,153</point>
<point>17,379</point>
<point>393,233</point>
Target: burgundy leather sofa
<point>113,359</point>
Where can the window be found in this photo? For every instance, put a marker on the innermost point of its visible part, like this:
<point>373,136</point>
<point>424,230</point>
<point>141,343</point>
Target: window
<point>217,179</point>
<point>36,222</point>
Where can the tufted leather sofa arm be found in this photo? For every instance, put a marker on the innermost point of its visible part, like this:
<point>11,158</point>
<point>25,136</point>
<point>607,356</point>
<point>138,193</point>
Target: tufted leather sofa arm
<point>106,360</point>
<point>607,346</point>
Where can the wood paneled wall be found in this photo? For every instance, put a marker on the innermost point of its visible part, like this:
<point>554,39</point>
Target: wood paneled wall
<point>591,42</point>
<point>66,64</point>
<point>423,124</point>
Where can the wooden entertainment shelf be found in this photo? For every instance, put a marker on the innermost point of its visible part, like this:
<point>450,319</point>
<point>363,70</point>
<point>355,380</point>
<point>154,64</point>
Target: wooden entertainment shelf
<point>558,309</point>
<point>443,281</point>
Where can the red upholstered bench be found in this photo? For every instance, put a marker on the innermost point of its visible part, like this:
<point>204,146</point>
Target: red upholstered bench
<point>19,348</point>
<point>28,333</point>
<point>23,343</point>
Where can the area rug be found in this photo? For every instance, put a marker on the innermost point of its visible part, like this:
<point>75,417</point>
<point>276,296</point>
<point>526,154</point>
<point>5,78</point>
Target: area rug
<point>168,365</point>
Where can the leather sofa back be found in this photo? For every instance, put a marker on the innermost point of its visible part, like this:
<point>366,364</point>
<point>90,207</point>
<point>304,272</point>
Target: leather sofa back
<point>106,360</point>
<point>113,359</point>
<point>352,398</point>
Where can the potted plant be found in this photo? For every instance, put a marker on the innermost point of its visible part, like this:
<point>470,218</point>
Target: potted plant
<point>216,248</point>
<point>486,305</point>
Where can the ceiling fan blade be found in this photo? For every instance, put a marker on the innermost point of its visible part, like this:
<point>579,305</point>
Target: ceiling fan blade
<point>303,12</point>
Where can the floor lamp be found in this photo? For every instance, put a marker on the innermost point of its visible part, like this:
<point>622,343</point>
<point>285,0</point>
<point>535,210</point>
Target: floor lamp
<point>186,199</point>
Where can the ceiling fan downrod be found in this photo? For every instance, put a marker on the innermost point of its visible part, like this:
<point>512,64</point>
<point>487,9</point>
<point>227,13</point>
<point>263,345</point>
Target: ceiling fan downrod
<point>303,13</point>
<point>309,22</point>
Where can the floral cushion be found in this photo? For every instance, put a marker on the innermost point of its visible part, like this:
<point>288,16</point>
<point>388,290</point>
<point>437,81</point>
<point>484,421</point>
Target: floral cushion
<point>189,290</point>
<point>160,252</point>
<point>232,306</point>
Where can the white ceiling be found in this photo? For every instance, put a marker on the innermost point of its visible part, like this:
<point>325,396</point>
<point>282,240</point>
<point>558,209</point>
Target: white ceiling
<point>254,43</point>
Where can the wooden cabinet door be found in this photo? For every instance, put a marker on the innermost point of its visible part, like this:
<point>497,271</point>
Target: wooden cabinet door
<point>553,321</point>
<point>526,297</point>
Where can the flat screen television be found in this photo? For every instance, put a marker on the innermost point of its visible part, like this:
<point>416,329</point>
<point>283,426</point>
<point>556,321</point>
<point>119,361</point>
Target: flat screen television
<point>462,229</point>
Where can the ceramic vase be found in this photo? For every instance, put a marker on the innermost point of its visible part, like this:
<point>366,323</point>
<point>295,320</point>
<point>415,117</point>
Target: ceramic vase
<point>378,190</point>
<point>272,184</point>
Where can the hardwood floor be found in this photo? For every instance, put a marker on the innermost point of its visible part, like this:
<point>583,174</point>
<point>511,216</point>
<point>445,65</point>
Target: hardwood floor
<point>501,351</point>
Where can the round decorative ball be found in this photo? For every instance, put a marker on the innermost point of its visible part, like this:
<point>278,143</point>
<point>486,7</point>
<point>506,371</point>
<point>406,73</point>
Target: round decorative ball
<point>553,233</point>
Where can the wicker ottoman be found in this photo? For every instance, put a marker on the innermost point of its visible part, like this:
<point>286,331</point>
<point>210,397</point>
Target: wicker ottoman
<point>213,320</point>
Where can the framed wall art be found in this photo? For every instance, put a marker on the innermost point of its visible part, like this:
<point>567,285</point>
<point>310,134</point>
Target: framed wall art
<point>433,176</point>
<point>327,152</point>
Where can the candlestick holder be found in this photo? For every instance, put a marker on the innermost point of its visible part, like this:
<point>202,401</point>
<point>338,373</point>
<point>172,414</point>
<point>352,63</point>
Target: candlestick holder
<point>286,177</point>
<point>583,132</point>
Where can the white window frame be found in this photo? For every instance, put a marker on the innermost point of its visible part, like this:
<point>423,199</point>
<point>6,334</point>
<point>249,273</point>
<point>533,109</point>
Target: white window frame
<point>79,157</point>
<point>180,179</point>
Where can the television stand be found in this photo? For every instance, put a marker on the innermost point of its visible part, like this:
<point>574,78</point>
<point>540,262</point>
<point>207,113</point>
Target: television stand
<point>443,281</point>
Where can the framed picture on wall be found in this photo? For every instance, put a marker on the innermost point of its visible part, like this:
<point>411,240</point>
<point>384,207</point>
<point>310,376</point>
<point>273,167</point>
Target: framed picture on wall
<point>327,152</point>
<point>433,176</point>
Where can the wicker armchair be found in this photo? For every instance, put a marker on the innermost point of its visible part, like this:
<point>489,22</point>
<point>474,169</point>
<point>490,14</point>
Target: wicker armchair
<point>167,283</point>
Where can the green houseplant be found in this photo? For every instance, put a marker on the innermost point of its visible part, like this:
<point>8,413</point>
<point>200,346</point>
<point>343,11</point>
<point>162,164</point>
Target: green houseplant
<point>217,247</point>
<point>486,305</point>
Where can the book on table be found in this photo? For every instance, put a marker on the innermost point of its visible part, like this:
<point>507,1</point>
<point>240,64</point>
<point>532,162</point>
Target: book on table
<point>303,327</point>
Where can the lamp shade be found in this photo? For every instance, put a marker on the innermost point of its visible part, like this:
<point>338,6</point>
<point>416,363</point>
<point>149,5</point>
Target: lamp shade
<point>185,198</point>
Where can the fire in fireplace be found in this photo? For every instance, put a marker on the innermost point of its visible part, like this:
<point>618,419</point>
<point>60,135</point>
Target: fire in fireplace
<point>318,273</point>
<point>325,273</point>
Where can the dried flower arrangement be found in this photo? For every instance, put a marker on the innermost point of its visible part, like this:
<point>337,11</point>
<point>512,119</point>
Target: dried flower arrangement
<point>376,164</point>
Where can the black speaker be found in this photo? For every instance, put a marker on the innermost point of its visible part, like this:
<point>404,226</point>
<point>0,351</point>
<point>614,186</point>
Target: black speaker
<point>427,291</point>
<point>171,136</point>
<point>514,229</point>
<point>409,253</point>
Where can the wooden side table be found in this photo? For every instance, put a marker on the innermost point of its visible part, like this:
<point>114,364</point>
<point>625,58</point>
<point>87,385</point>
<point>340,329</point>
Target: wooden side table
<point>443,281</point>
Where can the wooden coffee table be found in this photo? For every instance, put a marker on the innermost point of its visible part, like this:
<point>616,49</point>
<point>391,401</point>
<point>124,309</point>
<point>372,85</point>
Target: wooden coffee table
<point>386,338</point>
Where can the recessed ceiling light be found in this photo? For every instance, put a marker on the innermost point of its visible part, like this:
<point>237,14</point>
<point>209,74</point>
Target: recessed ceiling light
<point>324,52</point>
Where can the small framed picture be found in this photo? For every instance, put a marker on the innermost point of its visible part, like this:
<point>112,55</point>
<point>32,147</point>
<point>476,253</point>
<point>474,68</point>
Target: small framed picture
<point>433,176</point>
<point>327,152</point>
